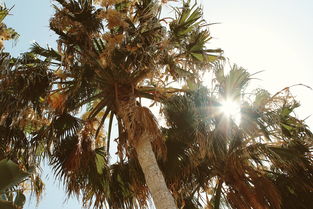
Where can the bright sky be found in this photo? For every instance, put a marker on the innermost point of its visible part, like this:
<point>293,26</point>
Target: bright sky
<point>274,36</point>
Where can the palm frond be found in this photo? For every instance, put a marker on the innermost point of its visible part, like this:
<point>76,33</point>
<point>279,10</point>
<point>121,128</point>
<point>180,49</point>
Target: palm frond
<point>48,53</point>
<point>241,157</point>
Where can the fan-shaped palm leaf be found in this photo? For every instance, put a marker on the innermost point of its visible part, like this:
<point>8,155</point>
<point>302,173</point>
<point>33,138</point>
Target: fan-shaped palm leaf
<point>239,161</point>
<point>106,70</point>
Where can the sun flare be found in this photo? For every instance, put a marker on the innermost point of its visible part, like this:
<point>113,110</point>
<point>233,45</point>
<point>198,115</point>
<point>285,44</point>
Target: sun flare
<point>231,109</point>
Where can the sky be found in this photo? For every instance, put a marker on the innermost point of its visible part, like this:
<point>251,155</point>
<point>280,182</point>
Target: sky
<point>270,36</point>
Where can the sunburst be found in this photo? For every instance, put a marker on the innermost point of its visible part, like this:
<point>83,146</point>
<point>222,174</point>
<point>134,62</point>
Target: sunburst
<point>231,109</point>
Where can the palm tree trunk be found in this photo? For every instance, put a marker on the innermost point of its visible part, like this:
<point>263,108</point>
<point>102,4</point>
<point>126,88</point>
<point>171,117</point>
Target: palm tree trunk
<point>140,136</point>
<point>162,198</point>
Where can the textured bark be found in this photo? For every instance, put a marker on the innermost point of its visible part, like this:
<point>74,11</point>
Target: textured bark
<point>162,198</point>
<point>141,132</point>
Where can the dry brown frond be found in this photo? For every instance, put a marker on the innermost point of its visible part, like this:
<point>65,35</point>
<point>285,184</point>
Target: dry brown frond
<point>62,22</point>
<point>30,120</point>
<point>115,19</point>
<point>112,41</point>
<point>56,101</point>
<point>60,74</point>
<point>73,160</point>
<point>106,3</point>
<point>152,128</point>
<point>139,121</point>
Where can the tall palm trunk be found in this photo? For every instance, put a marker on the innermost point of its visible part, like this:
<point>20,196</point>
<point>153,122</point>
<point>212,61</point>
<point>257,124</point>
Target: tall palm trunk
<point>141,132</point>
<point>161,196</point>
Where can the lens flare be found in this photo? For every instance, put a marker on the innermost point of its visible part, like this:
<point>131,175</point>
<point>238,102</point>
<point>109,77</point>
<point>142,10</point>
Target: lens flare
<point>231,109</point>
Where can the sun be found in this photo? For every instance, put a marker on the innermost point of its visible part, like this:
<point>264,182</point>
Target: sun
<point>231,109</point>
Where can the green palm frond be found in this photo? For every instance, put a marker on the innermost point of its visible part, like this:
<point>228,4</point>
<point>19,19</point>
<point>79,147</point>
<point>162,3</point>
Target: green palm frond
<point>190,37</point>
<point>99,45</point>
<point>261,98</point>
<point>11,176</point>
<point>197,47</point>
<point>66,125</point>
<point>48,53</point>
<point>127,182</point>
<point>188,19</point>
<point>232,84</point>
<point>3,13</point>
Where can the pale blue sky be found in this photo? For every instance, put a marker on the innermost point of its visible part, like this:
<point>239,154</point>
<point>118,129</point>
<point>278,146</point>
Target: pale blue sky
<point>270,35</point>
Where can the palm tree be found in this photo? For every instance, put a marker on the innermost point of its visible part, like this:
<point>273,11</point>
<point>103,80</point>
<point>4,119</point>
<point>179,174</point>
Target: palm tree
<point>265,161</point>
<point>18,118</point>
<point>105,71</point>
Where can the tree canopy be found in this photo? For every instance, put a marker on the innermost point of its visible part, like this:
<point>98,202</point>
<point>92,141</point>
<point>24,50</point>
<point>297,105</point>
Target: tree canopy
<point>264,161</point>
<point>61,104</point>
